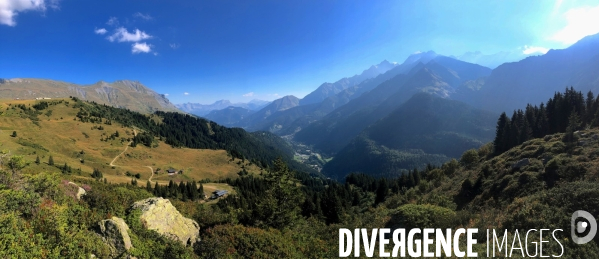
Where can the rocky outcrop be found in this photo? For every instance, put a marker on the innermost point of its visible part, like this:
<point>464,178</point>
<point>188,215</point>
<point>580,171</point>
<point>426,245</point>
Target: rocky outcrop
<point>160,215</point>
<point>80,191</point>
<point>114,233</point>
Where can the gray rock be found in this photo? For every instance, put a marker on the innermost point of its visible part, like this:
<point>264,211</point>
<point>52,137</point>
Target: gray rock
<point>114,233</point>
<point>160,215</point>
<point>80,191</point>
<point>521,163</point>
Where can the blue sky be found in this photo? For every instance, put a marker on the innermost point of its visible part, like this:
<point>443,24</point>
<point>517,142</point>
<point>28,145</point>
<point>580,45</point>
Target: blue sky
<point>203,51</point>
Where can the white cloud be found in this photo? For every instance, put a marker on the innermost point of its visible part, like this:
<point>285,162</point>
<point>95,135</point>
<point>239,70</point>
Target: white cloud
<point>417,52</point>
<point>9,9</point>
<point>122,35</point>
<point>174,45</point>
<point>581,22</point>
<point>186,93</point>
<point>532,50</point>
<point>146,17</point>
<point>141,47</point>
<point>250,94</point>
<point>100,31</point>
<point>165,94</point>
<point>112,21</point>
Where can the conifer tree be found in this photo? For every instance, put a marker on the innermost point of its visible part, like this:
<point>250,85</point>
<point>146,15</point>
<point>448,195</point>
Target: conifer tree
<point>50,160</point>
<point>279,208</point>
<point>201,190</point>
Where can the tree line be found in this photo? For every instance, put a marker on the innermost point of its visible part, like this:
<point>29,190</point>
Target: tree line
<point>184,130</point>
<point>568,110</point>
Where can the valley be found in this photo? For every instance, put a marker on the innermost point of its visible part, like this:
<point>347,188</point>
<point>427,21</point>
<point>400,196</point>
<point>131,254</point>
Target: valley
<point>293,129</point>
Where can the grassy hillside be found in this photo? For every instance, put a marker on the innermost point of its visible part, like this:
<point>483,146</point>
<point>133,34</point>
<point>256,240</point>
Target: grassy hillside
<point>83,146</point>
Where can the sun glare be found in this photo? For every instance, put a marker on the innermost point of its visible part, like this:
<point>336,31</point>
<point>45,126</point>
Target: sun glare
<point>581,22</point>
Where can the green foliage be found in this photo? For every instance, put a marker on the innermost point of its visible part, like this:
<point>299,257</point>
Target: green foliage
<point>16,163</point>
<point>14,134</point>
<point>565,112</point>
<point>97,174</point>
<point>235,241</point>
<point>423,216</point>
<point>279,205</point>
<point>469,158</point>
<point>27,143</point>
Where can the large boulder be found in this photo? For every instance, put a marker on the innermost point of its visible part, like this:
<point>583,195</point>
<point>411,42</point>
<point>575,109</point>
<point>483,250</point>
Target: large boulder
<point>114,233</point>
<point>160,215</point>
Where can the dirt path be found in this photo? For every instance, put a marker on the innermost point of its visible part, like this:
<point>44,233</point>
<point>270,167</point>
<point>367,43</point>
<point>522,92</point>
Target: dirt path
<point>127,147</point>
<point>112,163</point>
<point>152,170</point>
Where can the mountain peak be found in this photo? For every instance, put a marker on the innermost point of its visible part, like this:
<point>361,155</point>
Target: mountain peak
<point>424,57</point>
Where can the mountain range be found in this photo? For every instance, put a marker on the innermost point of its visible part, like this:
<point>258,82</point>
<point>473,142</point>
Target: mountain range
<point>204,109</point>
<point>425,129</point>
<point>348,113</point>
<point>123,93</point>
<point>535,79</point>
<point>348,118</point>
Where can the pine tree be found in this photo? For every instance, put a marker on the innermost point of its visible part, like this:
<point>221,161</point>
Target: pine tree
<point>37,160</point>
<point>50,160</point>
<point>279,207</point>
<point>156,191</point>
<point>149,187</point>
<point>573,125</point>
<point>382,191</point>
<point>500,134</point>
<point>201,191</point>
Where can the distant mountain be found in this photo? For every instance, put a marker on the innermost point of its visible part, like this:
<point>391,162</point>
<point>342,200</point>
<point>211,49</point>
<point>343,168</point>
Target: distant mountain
<point>204,109</point>
<point>281,104</point>
<point>536,78</point>
<point>441,76</point>
<point>122,94</point>
<point>292,120</point>
<point>330,89</point>
<point>229,116</point>
<point>492,60</point>
<point>425,129</point>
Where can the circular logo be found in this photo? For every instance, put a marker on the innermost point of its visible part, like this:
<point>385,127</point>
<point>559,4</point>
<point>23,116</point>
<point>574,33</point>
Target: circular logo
<point>582,226</point>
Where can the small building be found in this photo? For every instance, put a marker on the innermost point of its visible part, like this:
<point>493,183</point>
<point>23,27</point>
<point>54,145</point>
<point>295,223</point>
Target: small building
<point>171,171</point>
<point>218,193</point>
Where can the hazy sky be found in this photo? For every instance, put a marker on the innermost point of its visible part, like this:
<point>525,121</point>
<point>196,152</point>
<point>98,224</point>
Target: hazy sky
<point>202,51</point>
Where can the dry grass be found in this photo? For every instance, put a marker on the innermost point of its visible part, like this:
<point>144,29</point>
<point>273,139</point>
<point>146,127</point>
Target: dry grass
<point>60,136</point>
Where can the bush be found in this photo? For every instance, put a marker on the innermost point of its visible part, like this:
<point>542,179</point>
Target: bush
<point>423,216</point>
<point>469,158</point>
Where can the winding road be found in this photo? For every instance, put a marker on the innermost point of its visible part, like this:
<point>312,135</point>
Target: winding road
<point>127,147</point>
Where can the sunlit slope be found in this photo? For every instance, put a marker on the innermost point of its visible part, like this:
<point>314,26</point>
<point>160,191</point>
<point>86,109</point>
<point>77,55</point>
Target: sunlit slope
<point>83,146</point>
<point>122,93</point>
